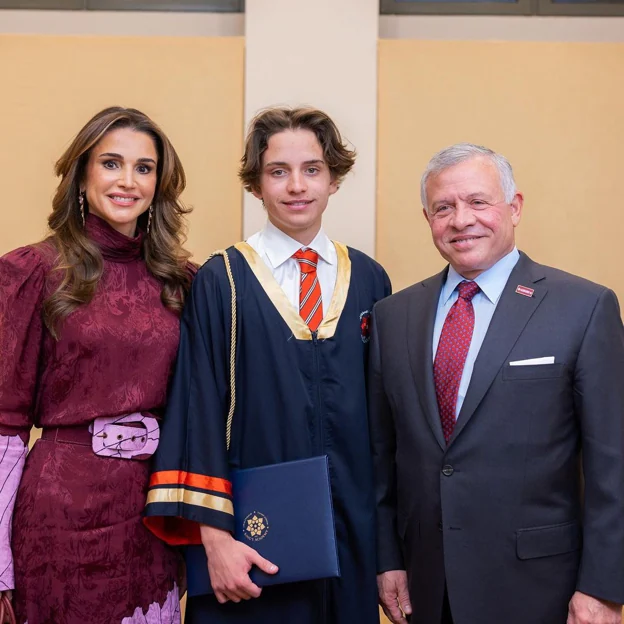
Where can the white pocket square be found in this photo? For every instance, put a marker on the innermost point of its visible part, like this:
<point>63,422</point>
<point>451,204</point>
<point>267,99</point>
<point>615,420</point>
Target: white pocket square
<point>549,359</point>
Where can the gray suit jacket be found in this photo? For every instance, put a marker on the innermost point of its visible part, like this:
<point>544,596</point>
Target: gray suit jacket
<point>499,515</point>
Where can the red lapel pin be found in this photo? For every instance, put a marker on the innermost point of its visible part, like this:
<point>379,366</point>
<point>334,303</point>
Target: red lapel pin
<point>524,290</point>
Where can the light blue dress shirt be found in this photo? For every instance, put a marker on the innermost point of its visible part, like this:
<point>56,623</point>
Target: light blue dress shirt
<point>491,282</point>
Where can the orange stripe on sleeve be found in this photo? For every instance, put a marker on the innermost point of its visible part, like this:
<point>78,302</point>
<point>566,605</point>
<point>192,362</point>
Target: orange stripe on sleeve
<point>180,477</point>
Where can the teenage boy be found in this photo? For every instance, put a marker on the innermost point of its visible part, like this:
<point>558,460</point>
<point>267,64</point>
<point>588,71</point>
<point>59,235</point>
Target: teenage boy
<point>303,308</point>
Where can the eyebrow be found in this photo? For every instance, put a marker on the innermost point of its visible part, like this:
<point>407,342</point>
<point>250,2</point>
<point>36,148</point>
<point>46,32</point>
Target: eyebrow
<point>120,157</point>
<point>280,163</point>
<point>475,195</point>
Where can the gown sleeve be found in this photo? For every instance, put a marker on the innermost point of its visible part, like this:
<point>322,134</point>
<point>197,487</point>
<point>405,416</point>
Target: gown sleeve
<point>22,280</point>
<point>190,482</point>
<point>387,285</point>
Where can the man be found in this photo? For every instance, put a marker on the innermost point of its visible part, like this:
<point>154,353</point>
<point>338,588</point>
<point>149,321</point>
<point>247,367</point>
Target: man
<point>496,386</point>
<point>302,331</point>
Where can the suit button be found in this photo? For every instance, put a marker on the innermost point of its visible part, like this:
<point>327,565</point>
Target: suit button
<point>447,471</point>
<point>440,527</point>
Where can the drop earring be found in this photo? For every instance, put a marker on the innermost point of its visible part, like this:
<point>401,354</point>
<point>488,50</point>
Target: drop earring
<point>81,200</point>
<point>149,218</point>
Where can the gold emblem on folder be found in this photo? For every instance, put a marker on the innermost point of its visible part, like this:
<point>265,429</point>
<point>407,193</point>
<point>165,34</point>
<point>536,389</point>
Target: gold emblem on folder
<point>255,526</point>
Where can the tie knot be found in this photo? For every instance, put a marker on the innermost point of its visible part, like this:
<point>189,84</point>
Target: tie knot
<point>467,290</point>
<point>307,260</point>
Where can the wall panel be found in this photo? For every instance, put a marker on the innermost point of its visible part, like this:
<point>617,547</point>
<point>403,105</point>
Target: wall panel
<point>554,109</point>
<point>192,87</point>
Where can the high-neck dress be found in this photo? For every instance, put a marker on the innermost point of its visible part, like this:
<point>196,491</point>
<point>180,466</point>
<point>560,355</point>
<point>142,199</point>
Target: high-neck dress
<point>81,554</point>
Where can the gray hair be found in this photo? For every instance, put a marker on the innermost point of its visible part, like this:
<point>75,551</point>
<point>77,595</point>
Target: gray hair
<point>460,152</point>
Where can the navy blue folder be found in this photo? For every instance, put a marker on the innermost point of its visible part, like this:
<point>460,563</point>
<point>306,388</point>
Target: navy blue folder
<point>284,511</point>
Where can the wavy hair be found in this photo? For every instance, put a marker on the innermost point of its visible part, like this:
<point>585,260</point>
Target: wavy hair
<point>79,261</point>
<point>271,121</point>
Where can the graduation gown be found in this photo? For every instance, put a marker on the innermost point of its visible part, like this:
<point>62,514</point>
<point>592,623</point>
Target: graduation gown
<point>298,394</point>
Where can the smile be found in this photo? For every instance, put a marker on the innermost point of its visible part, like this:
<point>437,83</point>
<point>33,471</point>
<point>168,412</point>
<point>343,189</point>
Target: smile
<point>123,200</point>
<point>467,239</point>
<point>300,203</point>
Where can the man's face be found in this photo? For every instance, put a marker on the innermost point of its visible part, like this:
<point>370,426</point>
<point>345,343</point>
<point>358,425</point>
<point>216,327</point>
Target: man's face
<point>295,183</point>
<point>471,223</point>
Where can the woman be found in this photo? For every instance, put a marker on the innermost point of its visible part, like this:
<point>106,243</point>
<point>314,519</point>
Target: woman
<point>89,323</point>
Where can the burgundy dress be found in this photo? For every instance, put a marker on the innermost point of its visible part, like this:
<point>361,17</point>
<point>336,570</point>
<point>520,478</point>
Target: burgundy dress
<point>81,553</point>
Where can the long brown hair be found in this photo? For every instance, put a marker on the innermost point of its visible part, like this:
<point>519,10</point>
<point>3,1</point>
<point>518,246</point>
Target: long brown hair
<point>271,121</point>
<point>79,259</point>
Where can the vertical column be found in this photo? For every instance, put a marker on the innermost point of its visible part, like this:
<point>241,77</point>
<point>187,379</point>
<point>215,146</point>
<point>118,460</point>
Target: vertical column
<point>322,53</point>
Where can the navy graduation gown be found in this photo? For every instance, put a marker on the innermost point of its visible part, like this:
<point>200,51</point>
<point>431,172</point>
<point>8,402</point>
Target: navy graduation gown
<point>298,395</point>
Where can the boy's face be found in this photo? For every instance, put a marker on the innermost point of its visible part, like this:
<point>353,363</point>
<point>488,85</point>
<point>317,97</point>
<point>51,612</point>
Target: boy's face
<point>295,184</point>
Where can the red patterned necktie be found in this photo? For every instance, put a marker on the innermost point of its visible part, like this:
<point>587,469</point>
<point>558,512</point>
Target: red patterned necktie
<point>451,354</point>
<point>310,301</point>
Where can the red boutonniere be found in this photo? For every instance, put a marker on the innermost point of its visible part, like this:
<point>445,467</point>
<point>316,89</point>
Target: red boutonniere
<point>365,325</point>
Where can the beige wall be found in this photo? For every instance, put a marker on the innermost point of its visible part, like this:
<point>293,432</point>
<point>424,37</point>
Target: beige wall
<point>326,58</point>
<point>192,87</point>
<point>501,28</point>
<point>131,23</point>
<point>554,109</point>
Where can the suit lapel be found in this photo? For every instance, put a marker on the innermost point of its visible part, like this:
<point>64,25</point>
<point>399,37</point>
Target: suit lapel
<point>510,318</point>
<point>421,314</point>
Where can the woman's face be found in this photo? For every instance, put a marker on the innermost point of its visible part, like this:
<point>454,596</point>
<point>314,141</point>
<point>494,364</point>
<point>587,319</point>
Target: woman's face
<point>120,179</point>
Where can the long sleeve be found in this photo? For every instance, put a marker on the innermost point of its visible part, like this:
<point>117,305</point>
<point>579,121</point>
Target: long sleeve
<point>22,278</point>
<point>599,400</point>
<point>383,444</point>
<point>12,458</point>
<point>190,482</point>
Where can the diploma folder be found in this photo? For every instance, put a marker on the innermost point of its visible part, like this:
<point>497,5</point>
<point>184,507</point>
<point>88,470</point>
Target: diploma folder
<point>284,511</point>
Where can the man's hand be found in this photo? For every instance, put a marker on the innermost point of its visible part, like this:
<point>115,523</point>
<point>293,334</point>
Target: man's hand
<point>393,595</point>
<point>229,563</point>
<point>584,609</point>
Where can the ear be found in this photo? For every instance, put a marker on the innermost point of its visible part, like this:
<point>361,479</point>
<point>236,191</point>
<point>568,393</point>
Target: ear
<point>334,185</point>
<point>256,193</point>
<point>426,215</point>
<point>516,208</point>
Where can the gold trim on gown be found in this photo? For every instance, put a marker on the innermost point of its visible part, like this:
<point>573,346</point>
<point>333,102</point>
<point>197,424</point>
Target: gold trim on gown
<point>288,312</point>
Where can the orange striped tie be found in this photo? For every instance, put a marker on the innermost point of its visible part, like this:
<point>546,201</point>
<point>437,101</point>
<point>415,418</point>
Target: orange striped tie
<point>310,301</point>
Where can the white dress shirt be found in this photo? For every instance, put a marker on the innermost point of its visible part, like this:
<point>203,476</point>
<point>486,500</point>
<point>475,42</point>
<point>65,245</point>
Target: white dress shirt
<point>276,250</point>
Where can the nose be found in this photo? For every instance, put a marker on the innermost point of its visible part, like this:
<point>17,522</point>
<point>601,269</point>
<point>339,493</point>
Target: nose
<point>126,177</point>
<point>297,183</point>
<point>463,216</point>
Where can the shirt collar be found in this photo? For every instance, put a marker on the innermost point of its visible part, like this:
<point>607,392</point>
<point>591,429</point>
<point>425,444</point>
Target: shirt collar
<point>279,247</point>
<point>491,282</point>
